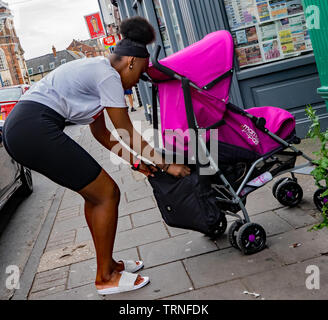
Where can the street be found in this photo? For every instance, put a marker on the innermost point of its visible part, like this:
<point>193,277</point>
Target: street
<point>55,247</point>
<point>22,220</point>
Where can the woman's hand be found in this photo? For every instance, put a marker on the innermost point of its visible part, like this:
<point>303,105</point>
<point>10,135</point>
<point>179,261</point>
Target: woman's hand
<point>147,170</point>
<point>178,170</point>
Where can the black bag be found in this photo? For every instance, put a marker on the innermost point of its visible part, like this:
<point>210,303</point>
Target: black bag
<point>187,202</point>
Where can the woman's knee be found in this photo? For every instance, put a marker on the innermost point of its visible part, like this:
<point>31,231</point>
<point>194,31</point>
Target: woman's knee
<point>103,189</point>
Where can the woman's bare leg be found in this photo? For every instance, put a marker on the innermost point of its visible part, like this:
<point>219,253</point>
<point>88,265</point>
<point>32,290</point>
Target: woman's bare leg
<point>102,198</point>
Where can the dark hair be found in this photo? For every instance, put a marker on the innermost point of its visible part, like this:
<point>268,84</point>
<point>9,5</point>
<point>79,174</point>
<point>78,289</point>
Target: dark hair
<point>138,29</point>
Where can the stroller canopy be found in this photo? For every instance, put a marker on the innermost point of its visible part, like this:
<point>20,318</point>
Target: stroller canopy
<point>202,63</point>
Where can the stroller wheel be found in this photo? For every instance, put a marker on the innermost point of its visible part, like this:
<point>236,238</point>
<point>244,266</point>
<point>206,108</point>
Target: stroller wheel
<point>232,233</point>
<point>276,184</point>
<point>219,229</point>
<point>318,200</point>
<point>289,193</point>
<point>251,238</point>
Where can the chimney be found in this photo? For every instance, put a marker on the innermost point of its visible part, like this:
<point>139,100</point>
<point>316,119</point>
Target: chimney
<point>54,51</point>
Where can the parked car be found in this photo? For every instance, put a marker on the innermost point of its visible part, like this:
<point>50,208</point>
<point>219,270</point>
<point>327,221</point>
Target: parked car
<point>9,96</point>
<point>14,178</point>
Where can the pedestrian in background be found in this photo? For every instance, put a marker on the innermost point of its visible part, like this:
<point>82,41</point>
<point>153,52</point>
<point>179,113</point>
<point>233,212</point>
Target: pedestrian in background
<point>129,94</point>
<point>79,92</point>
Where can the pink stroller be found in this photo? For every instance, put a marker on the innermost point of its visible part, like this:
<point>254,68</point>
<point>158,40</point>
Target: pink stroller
<point>239,151</point>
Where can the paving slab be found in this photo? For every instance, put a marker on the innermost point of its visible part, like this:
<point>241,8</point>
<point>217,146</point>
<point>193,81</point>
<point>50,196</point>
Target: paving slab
<point>139,193</point>
<point>254,206</point>
<point>271,223</point>
<point>69,224</point>
<point>86,292</point>
<point>232,290</point>
<point>289,282</point>
<point>312,244</point>
<point>136,206</point>
<point>139,236</point>
<point>296,217</point>
<point>176,248</point>
<point>66,256</point>
<point>146,217</point>
<point>166,280</point>
<point>229,264</point>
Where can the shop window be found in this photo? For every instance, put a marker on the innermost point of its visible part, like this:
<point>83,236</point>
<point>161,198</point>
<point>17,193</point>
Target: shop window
<point>267,30</point>
<point>175,24</point>
<point>162,27</point>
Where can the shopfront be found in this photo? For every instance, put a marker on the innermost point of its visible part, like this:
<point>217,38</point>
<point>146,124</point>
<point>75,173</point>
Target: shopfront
<point>274,61</point>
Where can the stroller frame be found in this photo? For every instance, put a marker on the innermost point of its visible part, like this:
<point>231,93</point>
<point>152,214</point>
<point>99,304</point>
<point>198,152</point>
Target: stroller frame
<point>241,224</point>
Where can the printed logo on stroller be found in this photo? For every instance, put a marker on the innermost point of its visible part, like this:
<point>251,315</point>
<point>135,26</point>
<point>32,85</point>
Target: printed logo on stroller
<point>251,134</point>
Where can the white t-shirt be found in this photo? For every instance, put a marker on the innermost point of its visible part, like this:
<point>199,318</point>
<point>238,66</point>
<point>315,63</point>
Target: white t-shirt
<point>79,90</point>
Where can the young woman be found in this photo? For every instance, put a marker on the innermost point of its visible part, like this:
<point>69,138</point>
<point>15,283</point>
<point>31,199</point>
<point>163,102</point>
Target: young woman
<point>80,91</point>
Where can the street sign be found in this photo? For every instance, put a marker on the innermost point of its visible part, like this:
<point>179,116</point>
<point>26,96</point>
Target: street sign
<point>95,26</point>
<point>110,41</point>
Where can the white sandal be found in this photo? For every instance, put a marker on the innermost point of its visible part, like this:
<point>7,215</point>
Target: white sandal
<point>132,266</point>
<point>126,283</point>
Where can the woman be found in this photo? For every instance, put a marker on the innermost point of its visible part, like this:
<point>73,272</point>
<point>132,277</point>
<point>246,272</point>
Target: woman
<point>129,94</point>
<point>80,91</point>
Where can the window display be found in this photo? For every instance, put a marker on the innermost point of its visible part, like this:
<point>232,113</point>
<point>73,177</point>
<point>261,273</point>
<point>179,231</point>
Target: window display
<point>175,24</point>
<point>162,27</point>
<point>267,30</point>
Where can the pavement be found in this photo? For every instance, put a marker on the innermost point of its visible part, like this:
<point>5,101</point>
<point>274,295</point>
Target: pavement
<point>181,264</point>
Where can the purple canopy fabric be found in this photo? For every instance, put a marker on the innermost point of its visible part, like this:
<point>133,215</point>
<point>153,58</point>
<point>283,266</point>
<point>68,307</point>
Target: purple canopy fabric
<point>203,62</point>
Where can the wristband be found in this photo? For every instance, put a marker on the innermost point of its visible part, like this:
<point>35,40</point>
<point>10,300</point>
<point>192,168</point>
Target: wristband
<point>136,165</point>
<point>166,167</point>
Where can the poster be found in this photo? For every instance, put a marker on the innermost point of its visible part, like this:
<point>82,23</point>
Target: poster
<point>294,6</point>
<point>249,12</point>
<point>245,37</point>
<point>241,56</point>
<point>297,25</point>
<point>286,40</point>
<point>253,54</point>
<point>95,26</point>
<point>263,11</point>
<point>271,50</point>
<point>268,31</point>
<point>278,8</point>
<point>240,37</point>
<point>235,13</point>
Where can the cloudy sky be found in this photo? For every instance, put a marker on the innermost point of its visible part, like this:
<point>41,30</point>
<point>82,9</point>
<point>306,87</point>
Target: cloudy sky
<point>42,23</point>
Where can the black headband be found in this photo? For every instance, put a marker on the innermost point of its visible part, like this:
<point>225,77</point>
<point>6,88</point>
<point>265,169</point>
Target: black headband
<point>129,48</point>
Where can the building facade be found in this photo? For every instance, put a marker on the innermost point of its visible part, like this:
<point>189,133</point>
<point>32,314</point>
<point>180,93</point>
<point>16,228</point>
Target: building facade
<point>39,67</point>
<point>13,70</point>
<point>89,48</point>
<point>274,60</point>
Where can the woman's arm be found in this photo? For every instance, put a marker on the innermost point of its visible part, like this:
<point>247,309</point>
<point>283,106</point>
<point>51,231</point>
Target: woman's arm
<point>104,136</point>
<point>121,121</point>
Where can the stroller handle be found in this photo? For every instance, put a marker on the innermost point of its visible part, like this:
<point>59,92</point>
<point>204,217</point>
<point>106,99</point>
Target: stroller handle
<point>169,72</point>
